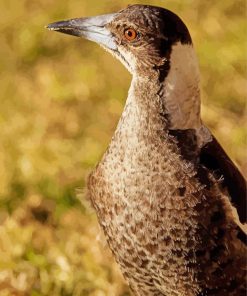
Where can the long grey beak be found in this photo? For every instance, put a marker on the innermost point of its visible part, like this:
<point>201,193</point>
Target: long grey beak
<point>92,28</point>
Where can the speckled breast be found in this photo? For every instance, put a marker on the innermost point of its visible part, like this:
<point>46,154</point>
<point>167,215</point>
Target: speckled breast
<point>146,210</point>
<point>165,230</point>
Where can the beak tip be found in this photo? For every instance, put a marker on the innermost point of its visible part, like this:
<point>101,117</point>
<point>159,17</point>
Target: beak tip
<point>50,27</point>
<point>57,26</point>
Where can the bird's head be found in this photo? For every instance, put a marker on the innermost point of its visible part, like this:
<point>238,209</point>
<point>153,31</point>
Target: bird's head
<point>140,36</point>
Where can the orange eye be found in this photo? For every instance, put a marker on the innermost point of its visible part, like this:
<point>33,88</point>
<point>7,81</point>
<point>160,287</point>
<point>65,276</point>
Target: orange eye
<point>130,34</point>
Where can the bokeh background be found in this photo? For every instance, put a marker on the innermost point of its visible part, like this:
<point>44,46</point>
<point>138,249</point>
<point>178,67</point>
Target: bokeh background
<point>60,100</point>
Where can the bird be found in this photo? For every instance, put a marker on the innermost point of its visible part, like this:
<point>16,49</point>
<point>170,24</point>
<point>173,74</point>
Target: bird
<point>170,201</point>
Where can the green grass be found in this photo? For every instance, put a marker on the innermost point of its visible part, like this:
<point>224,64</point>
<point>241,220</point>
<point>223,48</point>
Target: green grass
<point>61,98</point>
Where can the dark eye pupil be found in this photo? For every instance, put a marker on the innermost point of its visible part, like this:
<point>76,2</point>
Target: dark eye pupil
<point>130,34</point>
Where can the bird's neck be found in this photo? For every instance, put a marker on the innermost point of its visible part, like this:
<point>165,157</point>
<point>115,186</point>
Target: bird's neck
<point>173,104</point>
<point>143,114</point>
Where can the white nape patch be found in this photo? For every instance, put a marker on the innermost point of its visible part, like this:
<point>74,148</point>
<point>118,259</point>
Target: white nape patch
<point>182,90</point>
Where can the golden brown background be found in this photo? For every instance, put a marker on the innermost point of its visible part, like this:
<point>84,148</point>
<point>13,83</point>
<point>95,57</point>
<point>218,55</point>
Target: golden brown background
<point>60,100</point>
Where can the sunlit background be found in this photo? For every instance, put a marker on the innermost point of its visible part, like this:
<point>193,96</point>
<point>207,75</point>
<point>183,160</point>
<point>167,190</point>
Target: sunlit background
<point>60,100</point>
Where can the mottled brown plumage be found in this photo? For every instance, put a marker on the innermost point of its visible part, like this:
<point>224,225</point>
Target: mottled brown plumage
<point>167,196</point>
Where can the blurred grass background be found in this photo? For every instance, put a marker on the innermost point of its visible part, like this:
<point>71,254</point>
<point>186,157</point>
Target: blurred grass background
<point>61,98</point>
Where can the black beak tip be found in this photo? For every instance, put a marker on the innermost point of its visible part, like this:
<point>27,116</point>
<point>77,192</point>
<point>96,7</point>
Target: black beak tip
<point>51,27</point>
<point>56,26</point>
<point>48,27</point>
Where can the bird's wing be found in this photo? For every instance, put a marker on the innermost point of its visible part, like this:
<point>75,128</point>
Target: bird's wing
<point>215,159</point>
